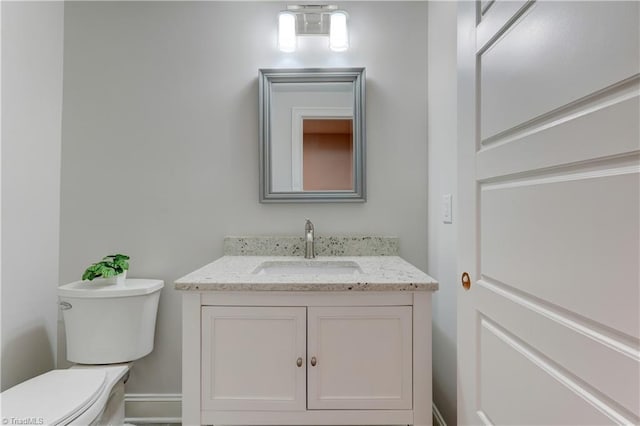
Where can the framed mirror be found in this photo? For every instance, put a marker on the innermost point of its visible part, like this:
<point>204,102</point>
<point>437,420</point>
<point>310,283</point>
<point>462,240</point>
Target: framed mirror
<point>312,135</point>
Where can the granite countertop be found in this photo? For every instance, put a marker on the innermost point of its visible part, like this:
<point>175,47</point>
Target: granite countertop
<point>378,273</point>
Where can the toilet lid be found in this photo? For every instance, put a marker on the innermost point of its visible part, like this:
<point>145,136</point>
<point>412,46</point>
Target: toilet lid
<point>92,289</point>
<point>56,397</point>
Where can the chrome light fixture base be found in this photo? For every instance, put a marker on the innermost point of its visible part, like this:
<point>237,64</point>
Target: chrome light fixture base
<point>310,19</point>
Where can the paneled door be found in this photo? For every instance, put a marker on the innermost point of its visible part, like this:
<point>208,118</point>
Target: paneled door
<point>548,306</point>
<point>253,358</point>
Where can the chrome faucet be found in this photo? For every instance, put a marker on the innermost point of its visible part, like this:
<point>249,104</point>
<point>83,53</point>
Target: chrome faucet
<point>309,251</point>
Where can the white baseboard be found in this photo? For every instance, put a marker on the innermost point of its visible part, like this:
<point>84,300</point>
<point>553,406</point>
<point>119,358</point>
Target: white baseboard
<point>437,417</point>
<point>156,408</point>
<point>166,408</point>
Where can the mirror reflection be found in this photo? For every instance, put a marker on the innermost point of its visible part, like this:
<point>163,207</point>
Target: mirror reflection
<point>300,114</point>
<point>327,154</point>
<point>312,139</point>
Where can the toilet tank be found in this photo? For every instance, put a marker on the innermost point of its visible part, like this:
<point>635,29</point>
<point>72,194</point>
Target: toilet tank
<point>109,323</point>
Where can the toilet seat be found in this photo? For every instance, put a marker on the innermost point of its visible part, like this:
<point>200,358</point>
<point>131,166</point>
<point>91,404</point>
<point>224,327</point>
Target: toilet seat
<point>63,397</point>
<point>54,398</point>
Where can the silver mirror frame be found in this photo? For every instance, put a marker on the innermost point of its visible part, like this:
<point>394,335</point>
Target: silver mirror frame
<point>356,76</point>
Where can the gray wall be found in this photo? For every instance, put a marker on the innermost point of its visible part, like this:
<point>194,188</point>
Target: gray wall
<point>442,136</point>
<point>160,139</point>
<point>32,41</point>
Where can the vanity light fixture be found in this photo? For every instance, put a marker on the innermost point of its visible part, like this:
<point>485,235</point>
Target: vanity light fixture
<point>338,33</point>
<point>326,20</point>
<point>287,32</point>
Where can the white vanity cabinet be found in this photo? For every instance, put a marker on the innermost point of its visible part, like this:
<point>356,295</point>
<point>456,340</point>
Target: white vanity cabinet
<point>320,357</point>
<point>280,358</point>
<point>317,349</point>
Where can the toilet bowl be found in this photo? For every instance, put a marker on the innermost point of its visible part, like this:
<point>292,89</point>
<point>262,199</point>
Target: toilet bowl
<point>107,327</point>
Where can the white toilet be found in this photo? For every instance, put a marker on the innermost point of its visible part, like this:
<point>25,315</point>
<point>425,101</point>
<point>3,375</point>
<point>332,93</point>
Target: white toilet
<point>107,327</point>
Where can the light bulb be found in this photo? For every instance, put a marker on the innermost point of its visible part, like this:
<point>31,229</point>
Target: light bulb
<point>287,32</point>
<point>338,33</point>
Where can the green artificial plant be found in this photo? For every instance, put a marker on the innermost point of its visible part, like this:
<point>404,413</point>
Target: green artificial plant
<point>109,266</point>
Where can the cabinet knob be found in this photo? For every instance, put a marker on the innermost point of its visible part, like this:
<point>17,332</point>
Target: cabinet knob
<point>299,362</point>
<point>314,361</point>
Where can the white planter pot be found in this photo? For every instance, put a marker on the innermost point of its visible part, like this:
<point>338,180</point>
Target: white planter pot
<point>118,279</point>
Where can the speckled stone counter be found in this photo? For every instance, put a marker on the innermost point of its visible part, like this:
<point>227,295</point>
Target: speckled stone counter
<point>238,273</point>
<point>348,245</point>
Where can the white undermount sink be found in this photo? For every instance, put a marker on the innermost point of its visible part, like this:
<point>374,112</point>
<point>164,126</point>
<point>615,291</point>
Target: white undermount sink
<point>308,267</point>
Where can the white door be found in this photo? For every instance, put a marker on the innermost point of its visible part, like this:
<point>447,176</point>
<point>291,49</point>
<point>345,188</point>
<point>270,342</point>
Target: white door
<point>253,358</point>
<point>548,333</point>
<point>360,357</point>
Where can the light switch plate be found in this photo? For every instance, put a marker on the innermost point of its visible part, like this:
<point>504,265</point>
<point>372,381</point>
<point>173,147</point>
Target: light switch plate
<point>446,208</point>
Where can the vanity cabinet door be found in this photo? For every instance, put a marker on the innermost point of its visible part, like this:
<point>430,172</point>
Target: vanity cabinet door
<point>362,357</point>
<point>253,358</point>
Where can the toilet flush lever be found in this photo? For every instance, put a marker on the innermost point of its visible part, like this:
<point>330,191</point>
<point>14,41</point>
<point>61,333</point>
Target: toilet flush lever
<point>65,306</point>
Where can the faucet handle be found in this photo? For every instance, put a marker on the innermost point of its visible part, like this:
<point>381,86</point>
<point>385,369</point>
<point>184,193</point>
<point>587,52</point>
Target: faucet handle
<point>309,252</point>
